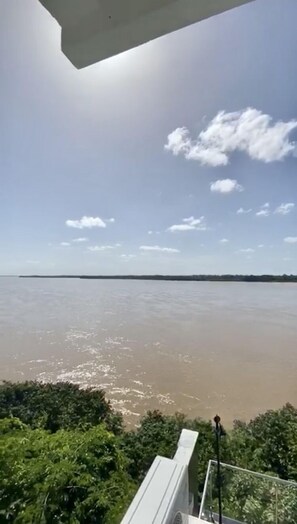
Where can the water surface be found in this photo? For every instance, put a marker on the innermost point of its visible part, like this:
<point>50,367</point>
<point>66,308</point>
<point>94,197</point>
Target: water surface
<point>197,347</point>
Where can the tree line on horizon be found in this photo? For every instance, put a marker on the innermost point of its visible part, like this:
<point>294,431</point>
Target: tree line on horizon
<point>66,457</point>
<point>191,278</point>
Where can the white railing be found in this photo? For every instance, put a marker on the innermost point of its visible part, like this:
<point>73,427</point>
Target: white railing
<point>167,494</point>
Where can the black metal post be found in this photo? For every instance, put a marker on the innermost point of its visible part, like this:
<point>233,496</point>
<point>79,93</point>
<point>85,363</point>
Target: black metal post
<point>217,421</point>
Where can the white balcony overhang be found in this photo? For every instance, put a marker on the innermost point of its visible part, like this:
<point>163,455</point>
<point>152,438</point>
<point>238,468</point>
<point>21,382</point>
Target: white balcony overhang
<point>93,30</point>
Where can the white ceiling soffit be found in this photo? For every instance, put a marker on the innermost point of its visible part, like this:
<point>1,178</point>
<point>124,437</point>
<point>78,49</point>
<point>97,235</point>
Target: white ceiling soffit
<point>93,30</point>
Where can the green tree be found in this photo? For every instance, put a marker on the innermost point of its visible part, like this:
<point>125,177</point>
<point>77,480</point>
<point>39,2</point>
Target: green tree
<point>158,434</point>
<point>57,406</point>
<point>70,476</point>
<point>267,443</point>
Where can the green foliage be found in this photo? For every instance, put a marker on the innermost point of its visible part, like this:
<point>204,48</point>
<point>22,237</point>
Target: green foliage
<point>158,434</point>
<point>251,499</point>
<point>56,406</point>
<point>65,458</point>
<point>268,443</point>
<point>69,476</point>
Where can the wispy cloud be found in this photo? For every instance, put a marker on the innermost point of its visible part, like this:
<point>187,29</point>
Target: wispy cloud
<point>224,241</point>
<point>109,220</point>
<point>103,248</point>
<point>64,244</point>
<point>260,246</point>
<point>263,213</point>
<point>80,239</point>
<point>290,240</point>
<point>242,211</point>
<point>86,222</point>
<point>264,210</point>
<point>284,209</point>
<point>160,249</point>
<point>246,250</point>
<point>189,224</point>
<point>127,257</point>
<point>249,131</point>
<point>225,186</point>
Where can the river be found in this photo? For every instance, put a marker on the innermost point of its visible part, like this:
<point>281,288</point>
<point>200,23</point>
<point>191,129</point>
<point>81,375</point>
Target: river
<point>197,347</point>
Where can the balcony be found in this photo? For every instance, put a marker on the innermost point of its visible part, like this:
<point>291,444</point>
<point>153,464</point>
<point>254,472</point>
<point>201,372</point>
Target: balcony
<point>168,494</point>
<point>248,497</point>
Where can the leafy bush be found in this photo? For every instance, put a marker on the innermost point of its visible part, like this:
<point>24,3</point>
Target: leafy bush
<point>267,443</point>
<point>65,458</point>
<point>69,476</point>
<point>57,406</point>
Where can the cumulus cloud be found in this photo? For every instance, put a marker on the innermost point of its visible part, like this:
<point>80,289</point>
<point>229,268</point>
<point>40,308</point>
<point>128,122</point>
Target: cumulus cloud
<point>247,250</point>
<point>264,210</point>
<point>189,224</point>
<point>80,239</point>
<point>290,240</point>
<point>224,241</point>
<point>284,209</point>
<point>102,248</point>
<point>86,222</point>
<point>160,249</point>
<point>249,131</point>
<point>65,244</point>
<point>225,186</point>
<point>242,211</point>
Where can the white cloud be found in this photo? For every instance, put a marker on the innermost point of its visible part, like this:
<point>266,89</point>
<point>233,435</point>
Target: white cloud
<point>102,248</point>
<point>264,210</point>
<point>247,250</point>
<point>127,257</point>
<point>150,232</point>
<point>260,246</point>
<point>242,211</point>
<point>110,220</point>
<point>224,241</point>
<point>249,131</point>
<point>65,244</point>
<point>80,239</point>
<point>225,186</point>
<point>160,249</point>
<point>263,213</point>
<point>189,224</point>
<point>181,227</point>
<point>284,209</point>
<point>86,222</point>
<point>290,240</point>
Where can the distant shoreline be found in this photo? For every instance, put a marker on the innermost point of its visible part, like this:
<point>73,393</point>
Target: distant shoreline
<point>179,278</point>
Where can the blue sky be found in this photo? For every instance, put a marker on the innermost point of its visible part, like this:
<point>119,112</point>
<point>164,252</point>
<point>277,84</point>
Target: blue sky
<point>140,164</point>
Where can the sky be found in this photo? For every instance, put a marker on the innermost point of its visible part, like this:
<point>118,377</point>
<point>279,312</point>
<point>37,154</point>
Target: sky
<point>177,157</point>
